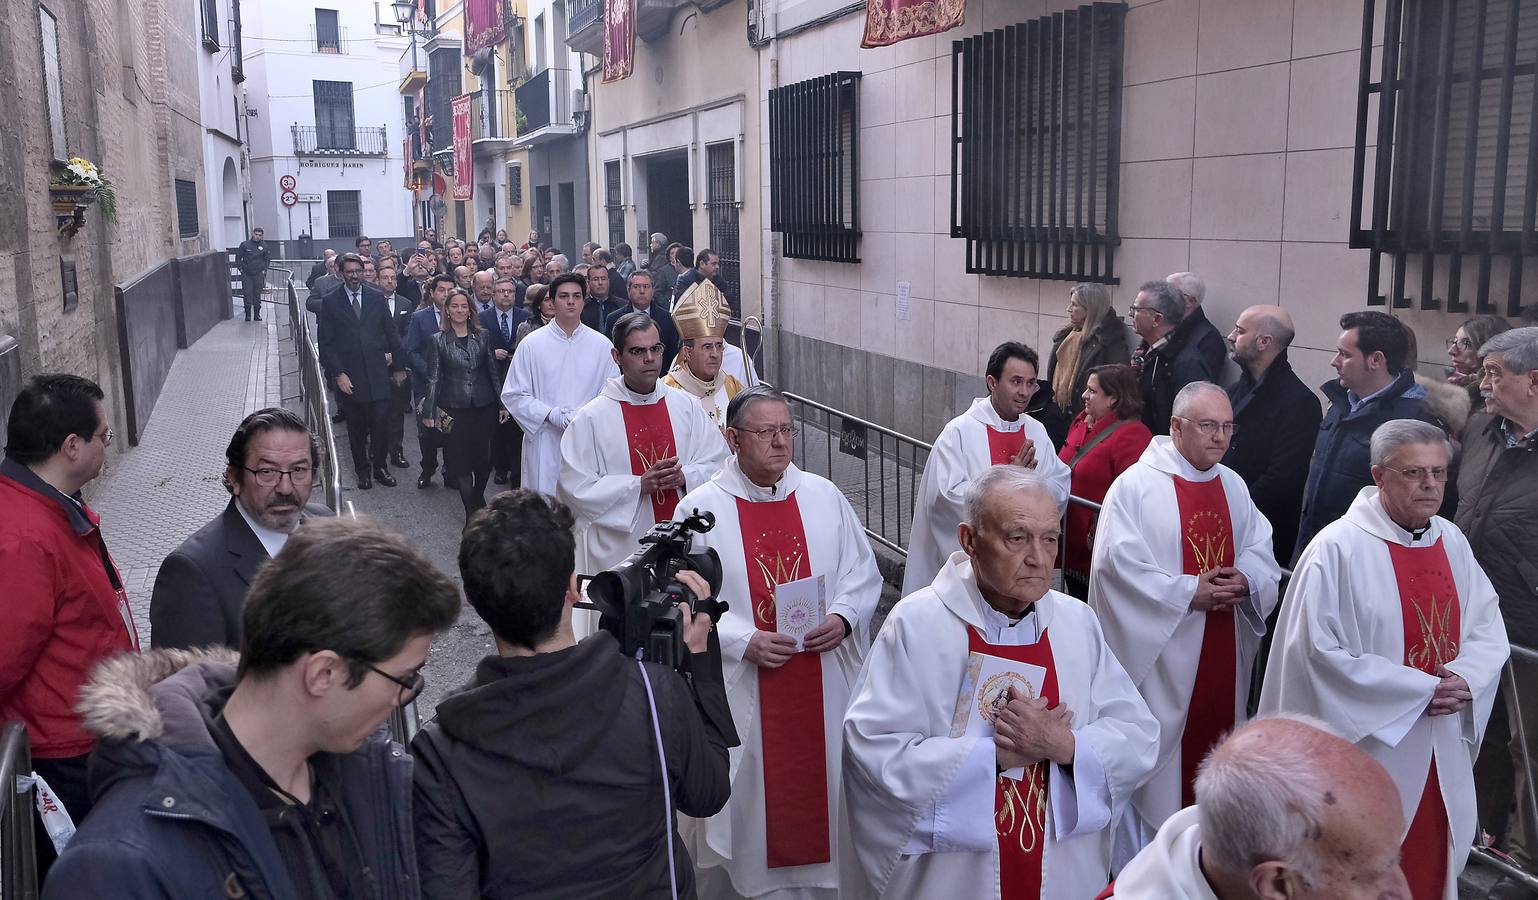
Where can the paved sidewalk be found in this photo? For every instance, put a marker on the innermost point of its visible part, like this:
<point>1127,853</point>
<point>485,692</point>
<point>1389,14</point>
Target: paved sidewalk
<point>153,496</point>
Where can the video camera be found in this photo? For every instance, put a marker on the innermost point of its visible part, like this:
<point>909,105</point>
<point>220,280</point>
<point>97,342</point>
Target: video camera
<point>639,599</point>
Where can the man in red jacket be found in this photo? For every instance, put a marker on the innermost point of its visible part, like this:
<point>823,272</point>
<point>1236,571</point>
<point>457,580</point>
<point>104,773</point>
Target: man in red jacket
<point>65,608</point>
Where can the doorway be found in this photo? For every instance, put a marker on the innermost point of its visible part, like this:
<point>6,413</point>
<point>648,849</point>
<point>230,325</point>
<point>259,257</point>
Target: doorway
<point>542,213</point>
<point>566,220</point>
<point>667,197</point>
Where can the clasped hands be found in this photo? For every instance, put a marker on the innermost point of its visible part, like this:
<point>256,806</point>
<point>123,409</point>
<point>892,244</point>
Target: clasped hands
<point>1451,695</point>
<point>770,649</point>
<point>663,475</point>
<point>1026,732</point>
<point>1222,588</point>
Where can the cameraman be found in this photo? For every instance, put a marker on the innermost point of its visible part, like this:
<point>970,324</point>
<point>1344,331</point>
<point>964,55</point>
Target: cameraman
<point>541,778</point>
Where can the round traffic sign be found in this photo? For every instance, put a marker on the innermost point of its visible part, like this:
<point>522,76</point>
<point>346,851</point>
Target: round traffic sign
<point>289,198</point>
<point>288,182</point>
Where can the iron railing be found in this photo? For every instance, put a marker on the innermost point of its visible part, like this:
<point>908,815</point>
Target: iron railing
<point>329,40</point>
<point>493,115</point>
<point>360,140</point>
<point>317,402</point>
<point>582,13</point>
<point>18,853</point>
<point>814,166</point>
<point>545,99</point>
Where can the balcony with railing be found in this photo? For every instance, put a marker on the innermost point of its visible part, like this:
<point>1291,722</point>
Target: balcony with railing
<point>493,120</point>
<point>310,140</point>
<point>328,40</point>
<point>545,101</point>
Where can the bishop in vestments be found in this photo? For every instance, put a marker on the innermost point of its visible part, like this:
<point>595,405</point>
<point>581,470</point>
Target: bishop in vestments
<point>794,560</point>
<point>1182,577</point>
<point>701,316</point>
<point>556,370</point>
<point>633,451</point>
<point>994,431</point>
<point>941,812</point>
<point>1392,634</point>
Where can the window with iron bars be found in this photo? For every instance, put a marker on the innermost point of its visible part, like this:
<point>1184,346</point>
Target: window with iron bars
<point>333,115</point>
<point>443,83</point>
<point>721,205</point>
<point>814,167</point>
<point>210,24</point>
<point>343,218</point>
<point>1452,193</point>
<point>1035,145</point>
<point>613,207</point>
<point>514,185</point>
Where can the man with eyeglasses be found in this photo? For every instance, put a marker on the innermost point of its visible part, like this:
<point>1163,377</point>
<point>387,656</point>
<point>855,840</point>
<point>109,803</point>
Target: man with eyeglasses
<point>801,586</point>
<point>267,775</point>
<point>1392,633</point>
<point>1183,578</point>
<point>65,609</point>
<point>270,471</point>
<point>1169,357</point>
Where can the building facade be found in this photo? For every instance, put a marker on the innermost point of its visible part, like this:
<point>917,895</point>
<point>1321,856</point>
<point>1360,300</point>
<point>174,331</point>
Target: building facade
<point>222,112</point>
<point>322,80</point>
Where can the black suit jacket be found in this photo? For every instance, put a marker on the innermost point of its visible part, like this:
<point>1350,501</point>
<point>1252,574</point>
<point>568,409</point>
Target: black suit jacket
<point>1276,424</point>
<point>665,328</point>
<point>492,322</point>
<point>201,587</point>
<point>356,345</point>
<point>596,312</point>
<point>400,313</point>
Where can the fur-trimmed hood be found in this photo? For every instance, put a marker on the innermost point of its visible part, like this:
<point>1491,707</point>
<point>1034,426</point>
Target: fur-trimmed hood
<point>1449,402</point>
<point>154,696</point>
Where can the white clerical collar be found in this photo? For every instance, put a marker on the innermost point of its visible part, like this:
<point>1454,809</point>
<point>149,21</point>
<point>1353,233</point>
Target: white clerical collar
<point>755,493</point>
<point>621,391</point>
<point>272,541</point>
<point>1000,629</point>
<point>693,383</point>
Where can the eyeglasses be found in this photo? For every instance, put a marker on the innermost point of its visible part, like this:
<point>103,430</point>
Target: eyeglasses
<point>1460,343</point>
<point>1208,427</point>
<point>765,435</point>
<point>267,476</point>
<point>1419,473</point>
<point>106,437</point>
<point>1134,310</point>
<point>410,690</point>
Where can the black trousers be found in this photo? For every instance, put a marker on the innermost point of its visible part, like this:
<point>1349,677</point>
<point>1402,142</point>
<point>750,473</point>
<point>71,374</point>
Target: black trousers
<point>507,450</point>
<point>67,778</point>
<point>395,418</point>
<point>251,293</point>
<point>367,433</point>
<point>467,451</point>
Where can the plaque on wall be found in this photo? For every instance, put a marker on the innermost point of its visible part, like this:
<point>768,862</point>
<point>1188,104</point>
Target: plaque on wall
<point>69,282</point>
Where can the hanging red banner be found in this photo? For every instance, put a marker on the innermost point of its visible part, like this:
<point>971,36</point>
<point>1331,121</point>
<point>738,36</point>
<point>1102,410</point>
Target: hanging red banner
<point>618,39</point>
<point>890,21</point>
<point>462,175</point>
<point>483,25</point>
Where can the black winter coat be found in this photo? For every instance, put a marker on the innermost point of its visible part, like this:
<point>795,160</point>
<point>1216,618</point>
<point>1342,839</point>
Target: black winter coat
<point>1105,346</point>
<point>1196,329</point>
<point>540,779</point>
<point>1181,360</point>
<point>1276,423</point>
<point>1498,511</point>
<point>1044,409</point>
<point>461,376</point>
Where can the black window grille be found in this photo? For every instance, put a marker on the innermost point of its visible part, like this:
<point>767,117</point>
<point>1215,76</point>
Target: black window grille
<point>443,81</point>
<point>1035,145</point>
<point>333,115</point>
<point>237,60</point>
<point>514,184</point>
<point>328,34</point>
<point>210,10</point>
<point>1455,176</point>
<point>187,208</point>
<point>814,167</point>
<point>612,205</point>
<point>343,217</point>
<point>721,204</point>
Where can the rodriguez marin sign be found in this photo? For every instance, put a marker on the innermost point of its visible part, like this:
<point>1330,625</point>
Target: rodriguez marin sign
<point>328,164</point>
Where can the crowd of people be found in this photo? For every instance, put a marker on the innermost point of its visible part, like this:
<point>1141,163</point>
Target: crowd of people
<point>1168,725</point>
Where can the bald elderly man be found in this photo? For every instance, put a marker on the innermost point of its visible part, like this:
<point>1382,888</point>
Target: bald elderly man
<point>1327,827</point>
<point>1276,418</point>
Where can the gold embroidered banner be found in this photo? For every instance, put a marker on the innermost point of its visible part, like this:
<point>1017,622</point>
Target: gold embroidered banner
<point>890,21</point>
<point>618,39</point>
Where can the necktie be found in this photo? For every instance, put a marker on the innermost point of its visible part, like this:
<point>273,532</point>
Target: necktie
<point>507,335</point>
<point>357,306</point>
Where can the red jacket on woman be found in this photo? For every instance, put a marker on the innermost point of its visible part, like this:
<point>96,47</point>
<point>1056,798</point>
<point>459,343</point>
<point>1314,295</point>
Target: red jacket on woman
<point>1092,477</point>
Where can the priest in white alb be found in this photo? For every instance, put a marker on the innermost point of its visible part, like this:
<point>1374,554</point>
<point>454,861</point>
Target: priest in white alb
<point>994,431</point>
<point>1183,578</point>
<point>1392,634</point>
<point>797,571</point>
<point>632,452</point>
<point>701,316</point>
<point>555,371</point>
<point>943,811</point>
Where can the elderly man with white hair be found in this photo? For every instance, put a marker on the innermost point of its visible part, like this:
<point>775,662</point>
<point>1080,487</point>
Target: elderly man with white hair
<point>1285,809</point>
<point>1392,634</point>
<point>1017,801</point>
<point>1195,329</point>
<point>1183,577</point>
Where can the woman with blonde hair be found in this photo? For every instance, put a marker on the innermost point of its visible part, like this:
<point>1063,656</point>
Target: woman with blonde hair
<point>463,397</point>
<point>1095,336</point>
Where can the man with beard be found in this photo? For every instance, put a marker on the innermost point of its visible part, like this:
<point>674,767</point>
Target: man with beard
<point>270,470</point>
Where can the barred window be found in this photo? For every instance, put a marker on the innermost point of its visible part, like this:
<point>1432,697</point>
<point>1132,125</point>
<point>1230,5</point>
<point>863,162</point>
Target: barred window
<point>721,204</point>
<point>187,208</point>
<point>814,167</point>
<point>342,214</point>
<point>514,184</point>
<point>333,115</point>
<point>1035,145</point>
<point>613,206</point>
<point>1455,173</point>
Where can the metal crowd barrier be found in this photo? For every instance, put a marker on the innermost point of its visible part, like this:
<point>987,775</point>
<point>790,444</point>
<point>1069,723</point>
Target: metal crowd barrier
<point>317,400</point>
<point>18,855</point>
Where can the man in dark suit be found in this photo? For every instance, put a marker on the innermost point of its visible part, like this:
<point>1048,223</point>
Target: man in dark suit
<point>599,305</point>
<point>426,322</point>
<point>1165,361</point>
<point>401,307</point>
<point>501,322</point>
<point>1195,329</point>
<point>358,347</point>
<point>270,469</point>
<point>707,264</point>
<point>642,296</point>
<point>319,270</point>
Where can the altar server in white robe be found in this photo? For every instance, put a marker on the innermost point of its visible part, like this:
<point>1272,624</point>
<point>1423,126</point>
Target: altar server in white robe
<point>1391,633</point>
<point>555,371</point>
<point>1028,813</point>
<point>783,833</point>
<point>995,430</point>
<point>1183,578</point>
<point>631,453</point>
<point>1284,808</point>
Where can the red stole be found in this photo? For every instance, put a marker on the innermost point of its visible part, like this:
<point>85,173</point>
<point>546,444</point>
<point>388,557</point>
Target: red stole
<point>790,712</point>
<point>1206,543</point>
<point>1003,445</point>
<point>1428,603</point>
<point>1020,807</point>
<point>650,433</point>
